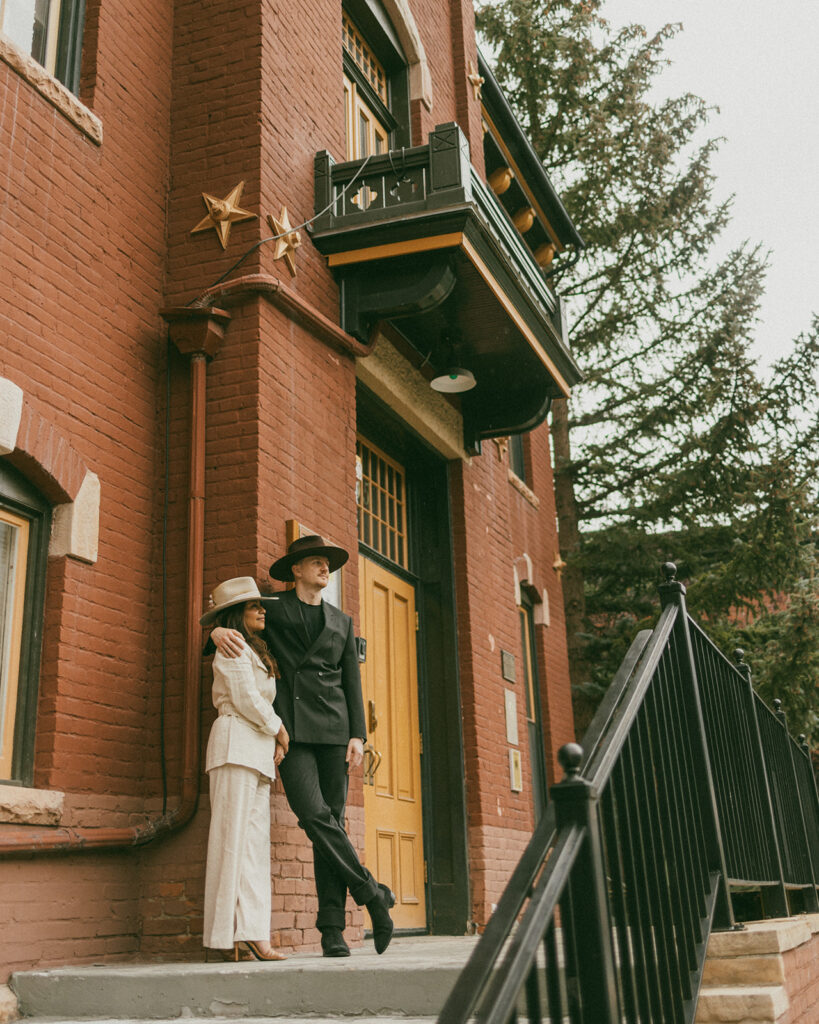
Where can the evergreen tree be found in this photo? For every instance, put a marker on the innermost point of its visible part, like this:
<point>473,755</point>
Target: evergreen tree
<point>674,447</point>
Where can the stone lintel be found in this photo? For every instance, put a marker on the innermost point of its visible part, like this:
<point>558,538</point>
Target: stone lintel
<point>394,380</point>
<point>11,411</point>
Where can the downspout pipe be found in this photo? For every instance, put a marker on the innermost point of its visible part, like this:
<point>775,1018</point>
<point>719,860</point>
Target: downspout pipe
<point>197,333</point>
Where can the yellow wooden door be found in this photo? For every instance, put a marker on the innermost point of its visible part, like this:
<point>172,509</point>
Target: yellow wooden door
<point>392,781</point>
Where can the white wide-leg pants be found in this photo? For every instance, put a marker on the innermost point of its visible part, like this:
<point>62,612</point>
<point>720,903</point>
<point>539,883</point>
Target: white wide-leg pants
<point>237,875</point>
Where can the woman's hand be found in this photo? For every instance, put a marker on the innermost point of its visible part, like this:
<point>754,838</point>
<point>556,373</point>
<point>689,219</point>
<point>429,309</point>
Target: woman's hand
<point>278,757</point>
<point>283,741</point>
<point>355,752</point>
<point>229,642</point>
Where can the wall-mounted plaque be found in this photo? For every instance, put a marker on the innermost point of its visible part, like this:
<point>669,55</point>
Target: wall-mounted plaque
<point>508,667</point>
<point>515,772</point>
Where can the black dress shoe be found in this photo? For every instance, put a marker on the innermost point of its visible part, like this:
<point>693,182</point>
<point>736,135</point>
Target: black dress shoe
<point>332,942</point>
<point>379,908</point>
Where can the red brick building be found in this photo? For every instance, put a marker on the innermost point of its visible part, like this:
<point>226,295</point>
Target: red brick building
<point>170,418</point>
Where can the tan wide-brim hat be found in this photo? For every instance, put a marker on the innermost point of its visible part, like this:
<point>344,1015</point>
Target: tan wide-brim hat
<point>235,591</point>
<point>304,547</point>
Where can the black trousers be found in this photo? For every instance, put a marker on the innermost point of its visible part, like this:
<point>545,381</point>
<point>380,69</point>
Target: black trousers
<point>315,782</point>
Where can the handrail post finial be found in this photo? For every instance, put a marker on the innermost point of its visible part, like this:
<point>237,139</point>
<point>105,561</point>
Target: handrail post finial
<point>671,590</point>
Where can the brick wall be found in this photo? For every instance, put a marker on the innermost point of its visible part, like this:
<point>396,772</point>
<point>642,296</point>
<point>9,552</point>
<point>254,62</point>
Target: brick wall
<point>495,524</point>
<point>802,980</point>
<point>82,230</point>
<point>94,240</point>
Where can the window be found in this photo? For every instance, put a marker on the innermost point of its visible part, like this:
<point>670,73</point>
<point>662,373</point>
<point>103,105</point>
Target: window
<point>534,721</point>
<point>376,107</point>
<point>50,31</point>
<point>24,530</point>
<point>517,461</point>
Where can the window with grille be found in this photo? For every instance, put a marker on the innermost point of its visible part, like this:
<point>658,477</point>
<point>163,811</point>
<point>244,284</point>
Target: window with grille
<point>382,504</point>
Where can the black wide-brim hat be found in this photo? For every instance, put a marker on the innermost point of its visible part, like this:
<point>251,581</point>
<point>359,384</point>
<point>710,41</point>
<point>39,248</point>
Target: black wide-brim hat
<point>304,547</point>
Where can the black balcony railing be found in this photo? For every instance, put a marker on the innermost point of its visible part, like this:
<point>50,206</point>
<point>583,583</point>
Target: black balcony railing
<point>689,787</point>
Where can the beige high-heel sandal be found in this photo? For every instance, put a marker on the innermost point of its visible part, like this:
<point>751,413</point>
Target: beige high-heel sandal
<point>253,947</point>
<point>234,955</point>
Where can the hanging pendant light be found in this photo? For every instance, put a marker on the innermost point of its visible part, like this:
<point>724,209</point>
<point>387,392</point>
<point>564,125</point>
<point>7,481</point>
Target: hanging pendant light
<point>455,380</point>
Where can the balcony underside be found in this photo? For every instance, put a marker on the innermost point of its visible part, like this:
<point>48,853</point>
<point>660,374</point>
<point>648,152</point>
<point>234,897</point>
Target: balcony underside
<point>426,248</point>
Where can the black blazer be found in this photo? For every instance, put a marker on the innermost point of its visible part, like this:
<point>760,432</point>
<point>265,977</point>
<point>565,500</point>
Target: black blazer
<point>318,696</point>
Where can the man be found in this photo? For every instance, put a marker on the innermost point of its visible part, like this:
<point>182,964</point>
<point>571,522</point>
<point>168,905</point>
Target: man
<point>319,700</point>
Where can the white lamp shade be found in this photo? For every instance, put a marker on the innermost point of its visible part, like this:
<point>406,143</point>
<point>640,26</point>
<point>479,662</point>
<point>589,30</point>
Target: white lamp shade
<point>455,379</point>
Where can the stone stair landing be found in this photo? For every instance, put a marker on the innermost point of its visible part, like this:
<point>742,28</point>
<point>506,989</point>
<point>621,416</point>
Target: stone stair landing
<point>411,980</point>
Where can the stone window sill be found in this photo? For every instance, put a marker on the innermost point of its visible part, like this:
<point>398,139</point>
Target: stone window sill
<point>22,806</point>
<point>521,488</point>
<point>53,91</point>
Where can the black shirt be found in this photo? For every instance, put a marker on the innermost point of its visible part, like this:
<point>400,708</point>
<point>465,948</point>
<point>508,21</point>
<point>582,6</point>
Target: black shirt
<point>312,616</point>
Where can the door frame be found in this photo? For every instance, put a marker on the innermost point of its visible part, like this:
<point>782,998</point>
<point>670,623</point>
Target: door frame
<point>431,562</point>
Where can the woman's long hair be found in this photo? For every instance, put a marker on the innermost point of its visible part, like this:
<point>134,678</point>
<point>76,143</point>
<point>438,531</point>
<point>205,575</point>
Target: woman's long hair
<point>234,618</point>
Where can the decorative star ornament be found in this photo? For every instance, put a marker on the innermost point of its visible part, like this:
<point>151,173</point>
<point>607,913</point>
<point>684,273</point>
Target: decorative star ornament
<point>475,80</point>
<point>289,241</point>
<point>222,213</point>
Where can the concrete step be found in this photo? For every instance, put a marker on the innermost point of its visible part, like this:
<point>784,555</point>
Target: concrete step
<point>743,1004</point>
<point>231,1020</point>
<point>411,980</point>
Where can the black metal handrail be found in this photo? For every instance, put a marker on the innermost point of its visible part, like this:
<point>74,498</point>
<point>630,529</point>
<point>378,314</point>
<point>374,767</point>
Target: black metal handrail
<point>689,786</point>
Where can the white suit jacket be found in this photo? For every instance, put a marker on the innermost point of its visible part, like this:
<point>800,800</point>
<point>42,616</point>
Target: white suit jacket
<point>245,732</point>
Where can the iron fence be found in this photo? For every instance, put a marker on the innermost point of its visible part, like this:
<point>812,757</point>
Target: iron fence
<point>689,787</point>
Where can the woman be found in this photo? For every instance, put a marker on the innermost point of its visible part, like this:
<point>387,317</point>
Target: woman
<point>246,743</point>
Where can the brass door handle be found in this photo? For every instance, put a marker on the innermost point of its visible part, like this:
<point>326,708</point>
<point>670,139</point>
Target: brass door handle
<point>372,759</point>
<point>369,764</point>
<point>372,718</point>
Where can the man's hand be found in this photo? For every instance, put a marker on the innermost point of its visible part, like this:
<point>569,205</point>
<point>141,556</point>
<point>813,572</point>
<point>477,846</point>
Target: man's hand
<point>283,740</point>
<point>229,642</point>
<point>278,757</point>
<point>355,752</point>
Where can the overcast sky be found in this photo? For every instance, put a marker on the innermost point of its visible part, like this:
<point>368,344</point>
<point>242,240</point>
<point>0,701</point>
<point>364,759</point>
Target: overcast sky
<point>759,63</point>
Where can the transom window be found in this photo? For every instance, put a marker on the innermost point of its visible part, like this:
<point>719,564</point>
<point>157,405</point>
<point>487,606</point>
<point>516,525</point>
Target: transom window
<point>364,58</point>
<point>382,504</point>
<point>50,31</point>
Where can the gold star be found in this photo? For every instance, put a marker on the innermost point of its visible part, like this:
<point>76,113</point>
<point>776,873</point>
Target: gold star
<point>476,81</point>
<point>222,213</point>
<point>289,241</point>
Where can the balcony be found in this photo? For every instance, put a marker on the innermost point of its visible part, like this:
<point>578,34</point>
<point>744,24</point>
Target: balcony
<point>417,240</point>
